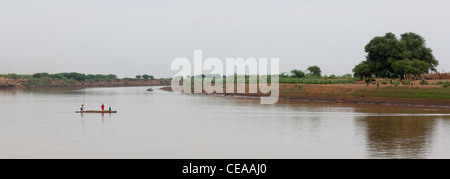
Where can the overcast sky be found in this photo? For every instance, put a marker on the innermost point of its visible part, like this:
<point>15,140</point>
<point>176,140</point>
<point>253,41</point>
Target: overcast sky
<point>131,37</point>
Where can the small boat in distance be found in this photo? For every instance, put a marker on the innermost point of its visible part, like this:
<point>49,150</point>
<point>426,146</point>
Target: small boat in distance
<point>103,111</point>
<point>108,112</point>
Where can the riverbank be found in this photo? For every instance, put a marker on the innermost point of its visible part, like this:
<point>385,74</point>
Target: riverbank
<point>426,95</point>
<point>57,83</point>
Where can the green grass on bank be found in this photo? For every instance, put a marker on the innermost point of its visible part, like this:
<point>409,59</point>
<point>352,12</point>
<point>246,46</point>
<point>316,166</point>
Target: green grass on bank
<point>405,92</point>
<point>309,79</point>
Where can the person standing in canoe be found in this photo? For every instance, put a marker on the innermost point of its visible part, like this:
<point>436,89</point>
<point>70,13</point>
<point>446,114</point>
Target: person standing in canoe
<point>103,107</point>
<point>110,109</point>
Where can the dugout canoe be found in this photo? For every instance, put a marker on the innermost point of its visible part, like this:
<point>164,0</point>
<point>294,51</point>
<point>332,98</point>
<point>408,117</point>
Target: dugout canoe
<point>108,112</point>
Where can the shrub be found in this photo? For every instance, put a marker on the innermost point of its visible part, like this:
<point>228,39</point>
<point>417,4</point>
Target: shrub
<point>445,85</point>
<point>374,83</point>
<point>40,75</point>
<point>333,76</point>
<point>424,82</point>
<point>396,83</point>
<point>12,76</point>
<point>58,76</point>
<point>406,82</point>
<point>384,82</point>
<point>310,79</point>
<point>68,81</point>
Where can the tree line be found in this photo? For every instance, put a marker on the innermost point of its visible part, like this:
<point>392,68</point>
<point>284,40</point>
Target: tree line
<point>145,77</point>
<point>71,76</point>
<point>76,76</point>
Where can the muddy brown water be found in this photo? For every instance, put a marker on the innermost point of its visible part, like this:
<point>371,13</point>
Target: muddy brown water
<point>42,123</point>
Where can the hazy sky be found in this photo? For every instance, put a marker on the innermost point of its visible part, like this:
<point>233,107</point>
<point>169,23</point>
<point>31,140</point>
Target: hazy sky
<point>131,37</point>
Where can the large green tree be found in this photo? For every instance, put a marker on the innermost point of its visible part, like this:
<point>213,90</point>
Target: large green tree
<point>383,52</point>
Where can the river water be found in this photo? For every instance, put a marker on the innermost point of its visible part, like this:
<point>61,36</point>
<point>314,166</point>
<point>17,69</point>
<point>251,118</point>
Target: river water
<point>42,123</point>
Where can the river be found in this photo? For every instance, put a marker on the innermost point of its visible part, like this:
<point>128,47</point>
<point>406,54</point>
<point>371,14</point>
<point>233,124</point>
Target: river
<point>42,123</point>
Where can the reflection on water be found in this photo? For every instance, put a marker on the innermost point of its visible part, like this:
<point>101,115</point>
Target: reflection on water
<point>42,124</point>
<point>398,137</point>
<point>398,131</point>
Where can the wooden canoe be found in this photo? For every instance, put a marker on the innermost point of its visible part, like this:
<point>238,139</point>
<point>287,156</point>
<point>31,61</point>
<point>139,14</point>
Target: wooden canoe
<point>108,112</point>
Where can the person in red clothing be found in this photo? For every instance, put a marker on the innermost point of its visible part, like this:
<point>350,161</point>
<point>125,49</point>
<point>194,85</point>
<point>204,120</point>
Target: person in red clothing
<point>103,107</point>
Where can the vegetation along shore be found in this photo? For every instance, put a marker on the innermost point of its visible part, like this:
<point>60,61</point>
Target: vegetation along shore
<point>79,80</point>
<point>395,71</point>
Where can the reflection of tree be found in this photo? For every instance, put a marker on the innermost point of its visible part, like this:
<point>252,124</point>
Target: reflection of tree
<point>397,137</point>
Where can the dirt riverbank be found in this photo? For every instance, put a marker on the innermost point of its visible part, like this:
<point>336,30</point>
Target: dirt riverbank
<point>426,95</point>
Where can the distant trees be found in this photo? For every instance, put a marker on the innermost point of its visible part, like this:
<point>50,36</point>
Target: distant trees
<point>297,73</point>
<point>147,77</point>
<point>314,70</point>
<point>72,76</point>
<point>387,56</point>
<point>112,76</point>
<point>76,76</point>
<point>14,76</point>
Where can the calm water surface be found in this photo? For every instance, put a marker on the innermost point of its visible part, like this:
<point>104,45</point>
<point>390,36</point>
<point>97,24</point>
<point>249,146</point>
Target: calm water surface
<point>42,124</point>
